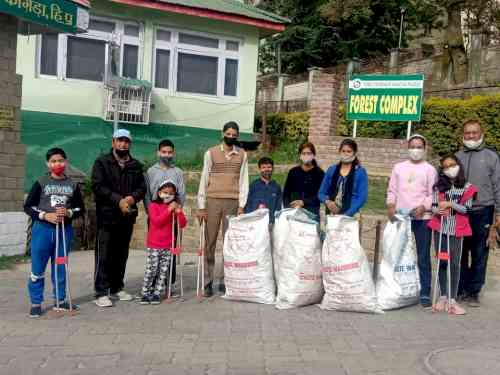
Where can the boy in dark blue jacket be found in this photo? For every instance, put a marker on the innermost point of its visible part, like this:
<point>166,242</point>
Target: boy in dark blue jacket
<point>53,199</point>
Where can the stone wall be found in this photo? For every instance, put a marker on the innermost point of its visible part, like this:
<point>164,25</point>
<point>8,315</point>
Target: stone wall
<point>12,152</point>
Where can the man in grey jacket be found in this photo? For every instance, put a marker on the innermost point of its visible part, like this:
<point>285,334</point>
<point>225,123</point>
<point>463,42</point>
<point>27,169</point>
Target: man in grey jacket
<point>482,168</point>
<point>161,171</point>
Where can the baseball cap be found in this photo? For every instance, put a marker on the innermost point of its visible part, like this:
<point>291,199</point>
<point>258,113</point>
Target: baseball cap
<point>122,133</point>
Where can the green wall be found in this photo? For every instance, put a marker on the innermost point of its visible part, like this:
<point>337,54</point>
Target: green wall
<point>84,138</point>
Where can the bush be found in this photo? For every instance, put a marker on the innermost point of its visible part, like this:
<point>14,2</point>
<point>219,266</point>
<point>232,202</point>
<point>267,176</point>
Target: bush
<point>441,123</point>
<point>289,126</point>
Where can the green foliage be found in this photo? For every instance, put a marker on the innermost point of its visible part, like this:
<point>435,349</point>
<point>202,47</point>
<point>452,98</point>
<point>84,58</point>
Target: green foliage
<point>441,124</point>
<point>8,262</point>
<point>289,126</point>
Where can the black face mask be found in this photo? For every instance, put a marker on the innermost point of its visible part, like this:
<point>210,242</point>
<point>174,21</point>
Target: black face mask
<point>122,153</point>
<point>231,141</point>
<point>167,160</point>
<point>266,175</point>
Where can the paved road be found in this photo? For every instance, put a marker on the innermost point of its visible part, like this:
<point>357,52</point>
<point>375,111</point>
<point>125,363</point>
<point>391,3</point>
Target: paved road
<point>222,337</point>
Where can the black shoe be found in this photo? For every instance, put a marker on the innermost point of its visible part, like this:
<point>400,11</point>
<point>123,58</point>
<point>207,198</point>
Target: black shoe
<point>222,288</point>
<point>35,311</point>
<point>425,302</point>
<point>64,306</point>
<point>155,300</point>
<point>209,291</point>
<point>145,300</point>
<point>473,301</point>
<point>463,297</point>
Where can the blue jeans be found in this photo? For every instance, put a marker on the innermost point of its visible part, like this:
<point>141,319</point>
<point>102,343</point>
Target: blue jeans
<point>423,235</point>
<point>473,273</point>
<point>43,248</point>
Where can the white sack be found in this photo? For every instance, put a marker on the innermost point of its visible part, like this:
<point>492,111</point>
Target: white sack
<point>398,282</point>
<point>346,273</point>
<point>248,267</point>
<point>299,263</point>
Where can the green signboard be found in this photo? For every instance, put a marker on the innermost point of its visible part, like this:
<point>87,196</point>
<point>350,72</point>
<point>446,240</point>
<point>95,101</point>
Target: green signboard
<point>385,97</point>
<point>61,15</point>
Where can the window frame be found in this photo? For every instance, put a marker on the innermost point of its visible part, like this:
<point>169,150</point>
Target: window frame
<point>175,47</point>
<point>62,49</point>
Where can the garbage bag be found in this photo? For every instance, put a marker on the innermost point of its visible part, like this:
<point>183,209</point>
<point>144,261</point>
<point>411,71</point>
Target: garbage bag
<point>299,263</point>
<point>398,283</point>
<point>248,266</point>
<point>347,277</point>
<point>281,231</point>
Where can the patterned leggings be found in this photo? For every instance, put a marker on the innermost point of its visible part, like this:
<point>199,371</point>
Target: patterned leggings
<point>157,266</point>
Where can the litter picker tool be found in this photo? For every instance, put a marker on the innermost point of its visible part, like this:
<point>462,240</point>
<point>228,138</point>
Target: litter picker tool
<point>200,269</point>
<point>171,263</point>
<point>179,249</point>
<point>442,256</point>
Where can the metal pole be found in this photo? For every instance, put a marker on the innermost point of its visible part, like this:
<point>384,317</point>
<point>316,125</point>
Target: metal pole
<point>408,131</point>
<point>115,116</point>
<point>403,10</point>
<point>376,253</point>
<point>355,128</point>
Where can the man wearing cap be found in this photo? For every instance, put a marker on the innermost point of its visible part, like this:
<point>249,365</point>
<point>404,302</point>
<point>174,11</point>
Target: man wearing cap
<point>223,191</point>
<point>118,186</point>
<point>410,192</point>
<point>482,168</point>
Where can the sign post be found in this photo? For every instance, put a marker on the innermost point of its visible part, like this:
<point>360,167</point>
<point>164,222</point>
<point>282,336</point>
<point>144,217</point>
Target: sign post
<point>392,97</point>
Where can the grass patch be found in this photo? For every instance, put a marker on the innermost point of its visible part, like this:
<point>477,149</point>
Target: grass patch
<point>8,262</point>
<point>286,153</point>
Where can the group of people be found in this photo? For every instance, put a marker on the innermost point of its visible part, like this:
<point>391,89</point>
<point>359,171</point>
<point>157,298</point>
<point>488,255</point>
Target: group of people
<point>460,201</point>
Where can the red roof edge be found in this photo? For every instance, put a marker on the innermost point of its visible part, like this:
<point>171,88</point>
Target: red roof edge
<point>206,13</point>
<point>85,3</point>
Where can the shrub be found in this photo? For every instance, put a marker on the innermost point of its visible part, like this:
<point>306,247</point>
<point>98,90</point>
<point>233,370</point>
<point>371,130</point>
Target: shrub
<point>289,126</point>
<point>441,123</point>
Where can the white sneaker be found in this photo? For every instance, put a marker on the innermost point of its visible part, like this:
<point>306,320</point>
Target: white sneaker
<point>122,296</point>
<point>103,301</point>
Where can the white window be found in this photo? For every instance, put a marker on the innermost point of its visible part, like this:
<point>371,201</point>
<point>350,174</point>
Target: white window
<point>85,56</point>
<point>194,63</point>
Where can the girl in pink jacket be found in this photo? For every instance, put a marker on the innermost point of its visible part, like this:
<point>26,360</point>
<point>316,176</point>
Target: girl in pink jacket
<point>160,242</point>
<point>452,200</point>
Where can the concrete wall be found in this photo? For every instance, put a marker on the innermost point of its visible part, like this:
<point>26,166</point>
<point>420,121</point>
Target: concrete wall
<point>12,159</point>
<point>87,98</point>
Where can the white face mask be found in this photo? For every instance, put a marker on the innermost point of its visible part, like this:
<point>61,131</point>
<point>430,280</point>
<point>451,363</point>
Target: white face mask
<point>307,159</point>
<point>452,172</point>
<point>347,159</point>
<point>472,145</point>
<point>167,198</point>
<point>416,154</point>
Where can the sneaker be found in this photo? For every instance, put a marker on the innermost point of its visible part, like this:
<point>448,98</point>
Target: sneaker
<point>222,288</point>
<point>155,300</point>
<point>145,300</point>
<point>473,301</point>
<point>456,309</point>
<point>441,305</point>
<point>122,296</point>
<point>103,301</point>
<point>425,302</point>
<point>35,311</point>
<point>209,291</point>
<point>64,306</point>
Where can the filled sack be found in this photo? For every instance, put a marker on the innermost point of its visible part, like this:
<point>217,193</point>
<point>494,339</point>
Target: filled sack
<point>248,266</point>
<point>299,262</point>
<point>347,277</point>
<point>398,283</point>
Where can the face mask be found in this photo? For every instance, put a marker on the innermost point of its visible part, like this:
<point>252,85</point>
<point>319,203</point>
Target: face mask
<point>58,170</point>
<point>452,172</point>
<point>416,154</point>
<point>230,141</point>
<point>167,160</point>
<point>347,159</point>
<point>122,153</point>
<point>472,145</point>
<point>167,198</point>
<point>266,175</point>
<point>307,159</point>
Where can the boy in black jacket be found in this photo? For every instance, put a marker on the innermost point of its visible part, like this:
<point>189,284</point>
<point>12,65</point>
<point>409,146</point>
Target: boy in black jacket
<point>54,198</point>
<point>118,186</point>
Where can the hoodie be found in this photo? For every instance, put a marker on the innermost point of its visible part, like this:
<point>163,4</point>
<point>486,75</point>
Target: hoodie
<point>156,175</point>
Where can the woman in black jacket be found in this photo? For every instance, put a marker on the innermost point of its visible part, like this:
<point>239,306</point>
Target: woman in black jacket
<point>303,181</point>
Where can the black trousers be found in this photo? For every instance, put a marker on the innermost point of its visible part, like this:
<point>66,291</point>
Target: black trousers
<point>111,255</point>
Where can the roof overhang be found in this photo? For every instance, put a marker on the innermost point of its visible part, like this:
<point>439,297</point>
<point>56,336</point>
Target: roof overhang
<point>37,16</point>
<point>266,27</point>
